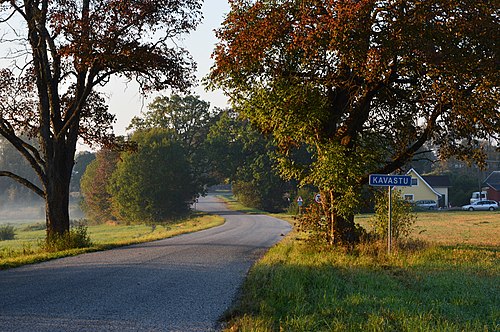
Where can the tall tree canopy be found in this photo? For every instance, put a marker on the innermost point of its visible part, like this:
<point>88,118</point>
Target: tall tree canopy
<point>65,50</point>
<point>188,117</point>
<point>187,120</point>
<point>363,83</point>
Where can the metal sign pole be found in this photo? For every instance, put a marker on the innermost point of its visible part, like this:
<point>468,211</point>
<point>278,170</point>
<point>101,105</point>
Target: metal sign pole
<point>384,180</point>
<point>389,224</point>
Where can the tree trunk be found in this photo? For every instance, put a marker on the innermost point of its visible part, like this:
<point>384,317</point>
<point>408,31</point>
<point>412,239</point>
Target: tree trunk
<point>341,229</point>
<point>57,209</point>
<point>57,191</point>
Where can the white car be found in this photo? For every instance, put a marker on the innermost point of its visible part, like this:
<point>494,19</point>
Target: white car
<point>481,206</point>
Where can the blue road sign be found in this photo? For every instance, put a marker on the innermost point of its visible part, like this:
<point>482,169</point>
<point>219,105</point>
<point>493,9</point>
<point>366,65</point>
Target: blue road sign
<point>384,180</point>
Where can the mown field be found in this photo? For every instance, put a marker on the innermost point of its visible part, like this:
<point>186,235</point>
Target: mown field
<point>453,227</point>
<point>25,247</point>
<point>448,282</point>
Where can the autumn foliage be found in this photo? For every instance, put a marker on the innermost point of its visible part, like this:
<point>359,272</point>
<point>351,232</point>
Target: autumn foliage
<point>363,84</point>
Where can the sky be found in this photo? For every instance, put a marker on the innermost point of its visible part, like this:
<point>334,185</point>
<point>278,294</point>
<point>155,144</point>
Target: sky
<point>125,100</point>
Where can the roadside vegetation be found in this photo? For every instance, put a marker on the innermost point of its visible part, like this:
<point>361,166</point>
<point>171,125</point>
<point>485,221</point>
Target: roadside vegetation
<point>29,245</point>
<point>444,277</point>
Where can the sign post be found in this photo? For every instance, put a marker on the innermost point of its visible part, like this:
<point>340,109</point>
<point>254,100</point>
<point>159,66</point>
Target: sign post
<point>300,202</point>
<point>383,180</point>
<point>389,223</point>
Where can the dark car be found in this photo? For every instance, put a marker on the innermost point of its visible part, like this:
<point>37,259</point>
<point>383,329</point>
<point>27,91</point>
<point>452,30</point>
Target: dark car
<point>426,204</point>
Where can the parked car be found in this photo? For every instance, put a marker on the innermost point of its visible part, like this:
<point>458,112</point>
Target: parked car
<point>426,204</point>
<point>481,206</point>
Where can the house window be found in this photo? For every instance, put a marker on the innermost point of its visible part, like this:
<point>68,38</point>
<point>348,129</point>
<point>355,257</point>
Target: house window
<point>414,181</point>
<point>409,197</point>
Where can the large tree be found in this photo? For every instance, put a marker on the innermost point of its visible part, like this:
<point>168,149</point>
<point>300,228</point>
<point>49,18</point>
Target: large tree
<point>155,183</point>
<point>363,84</point>
<point>62,52</point>
<point>188,120</point>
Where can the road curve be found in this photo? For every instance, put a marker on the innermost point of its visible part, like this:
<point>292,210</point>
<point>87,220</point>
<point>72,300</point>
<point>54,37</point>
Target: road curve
<point>179,284</point>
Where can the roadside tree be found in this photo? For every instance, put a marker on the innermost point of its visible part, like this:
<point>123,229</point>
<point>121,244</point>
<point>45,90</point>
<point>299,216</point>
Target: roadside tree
<point>94,185</point>
<point>62,52</point>
<point>363,84</point>
<point>188,120</point>
<point>241,155</point>
<point>154,183</point>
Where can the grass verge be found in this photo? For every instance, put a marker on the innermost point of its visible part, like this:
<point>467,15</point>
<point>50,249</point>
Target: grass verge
<point>233,204</point>
<point>449,281</point>
<point>440,288</point>
<point>25,248</point>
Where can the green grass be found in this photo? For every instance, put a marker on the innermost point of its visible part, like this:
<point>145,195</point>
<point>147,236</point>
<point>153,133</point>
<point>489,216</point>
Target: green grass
<point>233,204</point>
<point>440,288</point>
<point>24,249</point>
<point>448,282</point>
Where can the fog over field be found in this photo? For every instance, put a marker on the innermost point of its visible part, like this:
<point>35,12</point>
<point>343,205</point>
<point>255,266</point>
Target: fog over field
<point>30,212</point>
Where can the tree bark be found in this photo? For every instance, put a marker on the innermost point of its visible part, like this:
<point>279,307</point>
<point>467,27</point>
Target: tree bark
<point>59,169</point>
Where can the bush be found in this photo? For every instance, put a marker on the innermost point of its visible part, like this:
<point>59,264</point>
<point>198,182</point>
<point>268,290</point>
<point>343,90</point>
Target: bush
<point>7,232</point>
<point>77,237</point>
<point>314,223</point>
<point>403,218</point>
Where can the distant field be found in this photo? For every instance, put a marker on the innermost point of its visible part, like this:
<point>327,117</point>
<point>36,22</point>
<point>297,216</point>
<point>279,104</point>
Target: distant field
<point>31,213</point>
<point>452,227</point>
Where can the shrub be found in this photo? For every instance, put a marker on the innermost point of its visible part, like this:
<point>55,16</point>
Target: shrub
<point>314,223</point>
<point>77,237</point>
<point>403,218</point>
<point>7,232</point>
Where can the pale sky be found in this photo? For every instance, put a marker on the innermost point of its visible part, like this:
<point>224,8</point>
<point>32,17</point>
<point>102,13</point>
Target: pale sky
<point>126,102</point>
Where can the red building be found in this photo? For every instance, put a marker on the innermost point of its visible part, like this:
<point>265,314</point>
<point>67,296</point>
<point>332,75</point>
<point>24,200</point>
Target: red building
<point>492,183</point>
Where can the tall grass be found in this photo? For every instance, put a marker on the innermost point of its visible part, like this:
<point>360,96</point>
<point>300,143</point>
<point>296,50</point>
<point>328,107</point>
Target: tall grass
<point>296,287</point>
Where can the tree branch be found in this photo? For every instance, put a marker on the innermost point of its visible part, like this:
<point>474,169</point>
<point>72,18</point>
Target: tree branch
<point>24,182</point>
<point>403,157</point>
<point>24,149</point>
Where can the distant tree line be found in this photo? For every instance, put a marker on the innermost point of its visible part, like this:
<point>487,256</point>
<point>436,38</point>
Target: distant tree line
<point>182,148</point>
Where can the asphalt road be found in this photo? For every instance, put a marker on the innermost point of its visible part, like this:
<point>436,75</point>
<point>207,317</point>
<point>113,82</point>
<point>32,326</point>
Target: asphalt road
<point>179,284</point>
